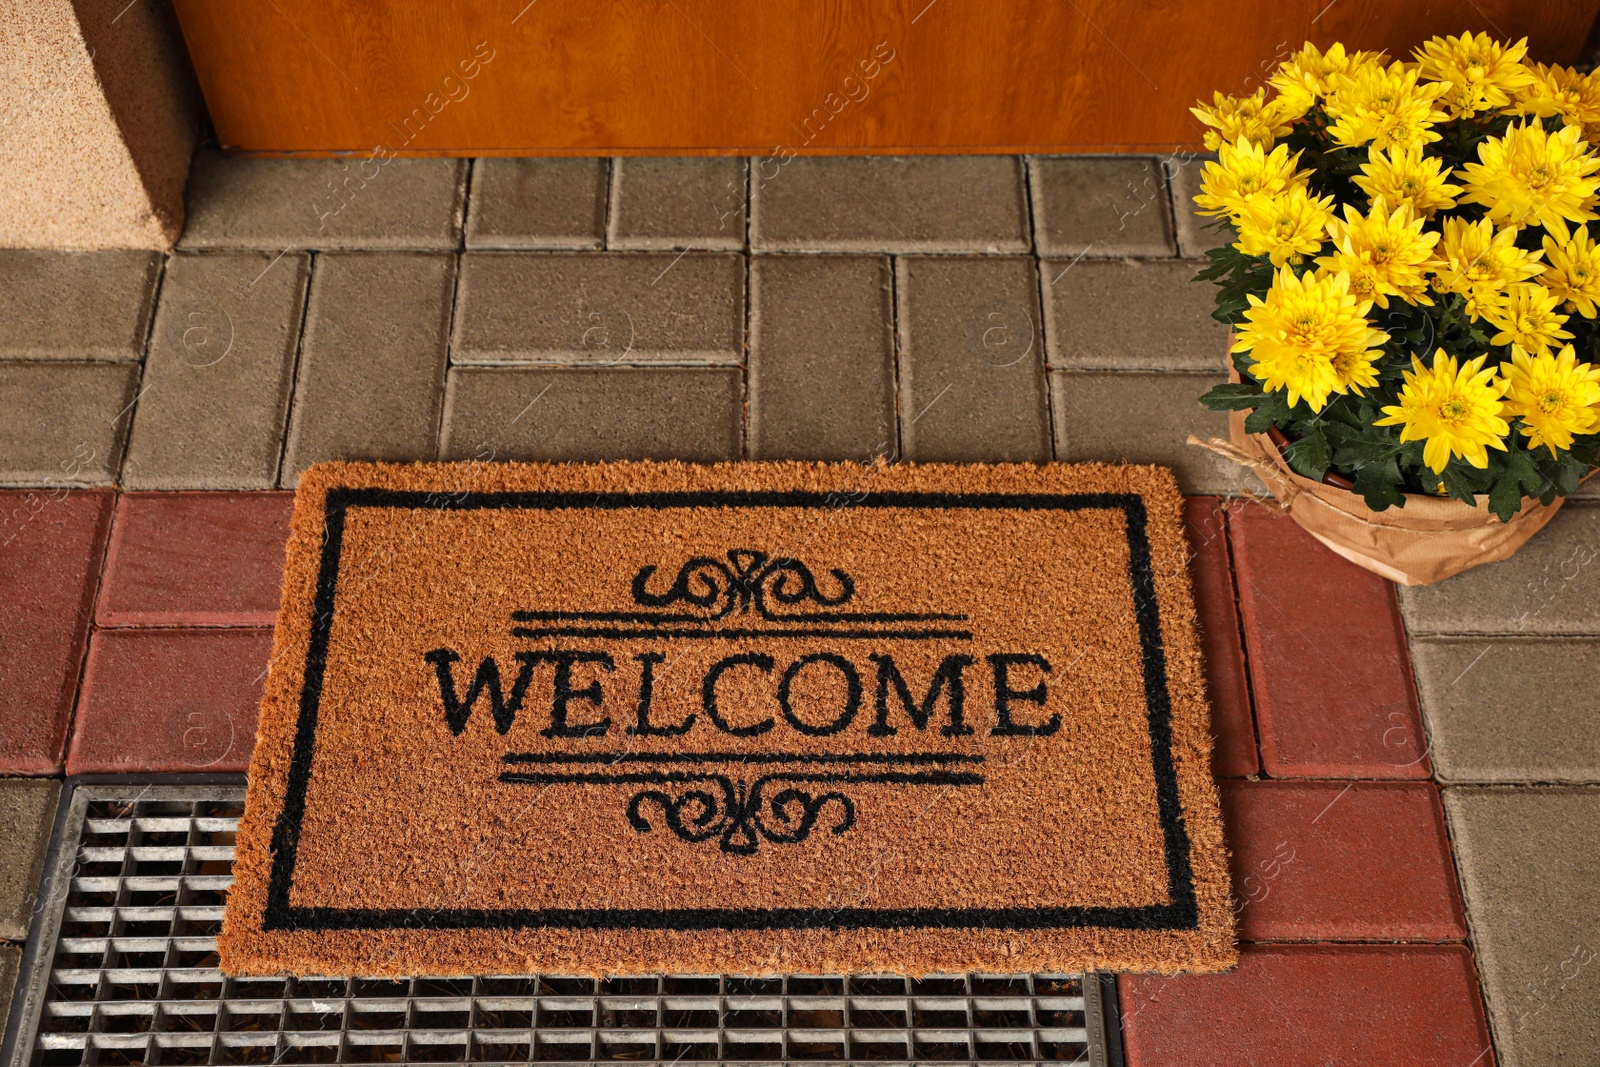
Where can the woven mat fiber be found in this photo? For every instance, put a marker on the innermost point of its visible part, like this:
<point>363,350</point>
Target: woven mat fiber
<point>751,718</point>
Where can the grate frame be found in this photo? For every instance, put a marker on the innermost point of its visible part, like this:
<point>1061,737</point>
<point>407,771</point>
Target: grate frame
<point>120,968</point>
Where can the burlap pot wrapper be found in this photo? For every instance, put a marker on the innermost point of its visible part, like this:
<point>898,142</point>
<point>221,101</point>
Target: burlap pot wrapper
<point>1427,541</point>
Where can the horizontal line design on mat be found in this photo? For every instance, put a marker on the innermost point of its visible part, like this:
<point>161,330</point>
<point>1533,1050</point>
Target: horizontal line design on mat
<point>740,757</point>
<point>341,497</point>
<point>735,634</point>
<point>679,777</point>
<point>818,616</point>
<point>1176,915</point>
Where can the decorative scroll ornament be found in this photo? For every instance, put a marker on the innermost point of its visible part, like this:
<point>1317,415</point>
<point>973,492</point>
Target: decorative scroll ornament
<point>749,580</point>
<point>741,815</point>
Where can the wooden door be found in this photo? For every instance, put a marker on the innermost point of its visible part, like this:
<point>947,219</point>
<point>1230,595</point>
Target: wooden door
<point>771,77</point>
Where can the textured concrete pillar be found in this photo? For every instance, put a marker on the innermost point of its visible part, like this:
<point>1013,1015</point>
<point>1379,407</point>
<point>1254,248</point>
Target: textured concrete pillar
<point>98,121</point>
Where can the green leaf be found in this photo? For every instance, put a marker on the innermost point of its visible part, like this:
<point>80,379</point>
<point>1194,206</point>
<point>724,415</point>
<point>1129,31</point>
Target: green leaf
<point>1344,417</point>
<point>1458,484</point>
<point>1356,450</point>
<point>1234,397</point>
<point>1379,486</point>
<point>1520,466</point>
<point>1230,309</point>
<point>1586,449</point>
<point>1567,476</point>
<point>1258,421</point>
<point>1224,260</point>
<point>1308,456</point>
<point>1505,499</point>
<point>1272,412</point>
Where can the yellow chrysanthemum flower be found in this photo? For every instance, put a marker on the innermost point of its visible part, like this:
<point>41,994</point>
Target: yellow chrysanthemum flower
<point>1563,91</point>
<point>1243,170</point>
<point>1355,371</point>
<point>1574,271</point>
<point>1527,317</point>
<point>1456,410</point>
<point>1529,177</point>
<point>1482,72</point>
<point>1307,76</point>
<point>1285,228</point>
<point>1555,396</point>
<point>1384,252</point>
<point>1385,107</point>
<point>1481,263</point>
<point>1311,337</point>
<point>1252,117</point>
<point>1406,176</point>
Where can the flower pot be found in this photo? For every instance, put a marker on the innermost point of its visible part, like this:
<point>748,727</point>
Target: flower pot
<point>1427,541</point>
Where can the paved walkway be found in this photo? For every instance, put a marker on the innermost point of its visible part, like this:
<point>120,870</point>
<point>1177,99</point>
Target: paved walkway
<point>1409,782</point>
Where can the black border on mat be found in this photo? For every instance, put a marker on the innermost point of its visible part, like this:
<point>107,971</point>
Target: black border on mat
<point>1180,913</point>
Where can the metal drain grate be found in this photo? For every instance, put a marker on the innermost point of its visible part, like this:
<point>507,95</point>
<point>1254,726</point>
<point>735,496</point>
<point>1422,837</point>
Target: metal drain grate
<point>121,969</point>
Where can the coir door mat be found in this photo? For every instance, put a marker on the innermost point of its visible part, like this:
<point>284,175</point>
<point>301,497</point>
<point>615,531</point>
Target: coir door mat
<point>754,718</point>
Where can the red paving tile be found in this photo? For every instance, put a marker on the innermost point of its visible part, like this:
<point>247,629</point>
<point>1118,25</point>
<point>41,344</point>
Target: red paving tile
<point>51,546</point>
<point>1329,666</point>
<point>1211,572</point>
<point>169,700</point>
<point>1332,861</point>
<point>195,559</point>
<point>1311,1006</point>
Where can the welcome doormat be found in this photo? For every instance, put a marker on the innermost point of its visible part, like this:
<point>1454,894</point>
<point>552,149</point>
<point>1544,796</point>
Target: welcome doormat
<point>742,719</point>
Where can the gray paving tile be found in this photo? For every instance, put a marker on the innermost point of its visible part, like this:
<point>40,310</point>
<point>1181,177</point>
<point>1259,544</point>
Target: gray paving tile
<point>1144,418</point>
<point>372,362</point>
<point>1530,873</point>
<point>64,423</point>
<point>75,305</point>
<point>600,309</point>
<point>666,202</point>
<point>1130,315</point>
<point>821,358</point>
<point>1551,586</point>
<point>1100,206</point>
<point>971,360</point>
<point>589,414</point>
<point>221,369</point>
<point>1196,235</point>
<point>537,203</point>
<point>324,203</point>
<point>891,204</point>
<point>27,811</point>
<point>1511,709</point>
